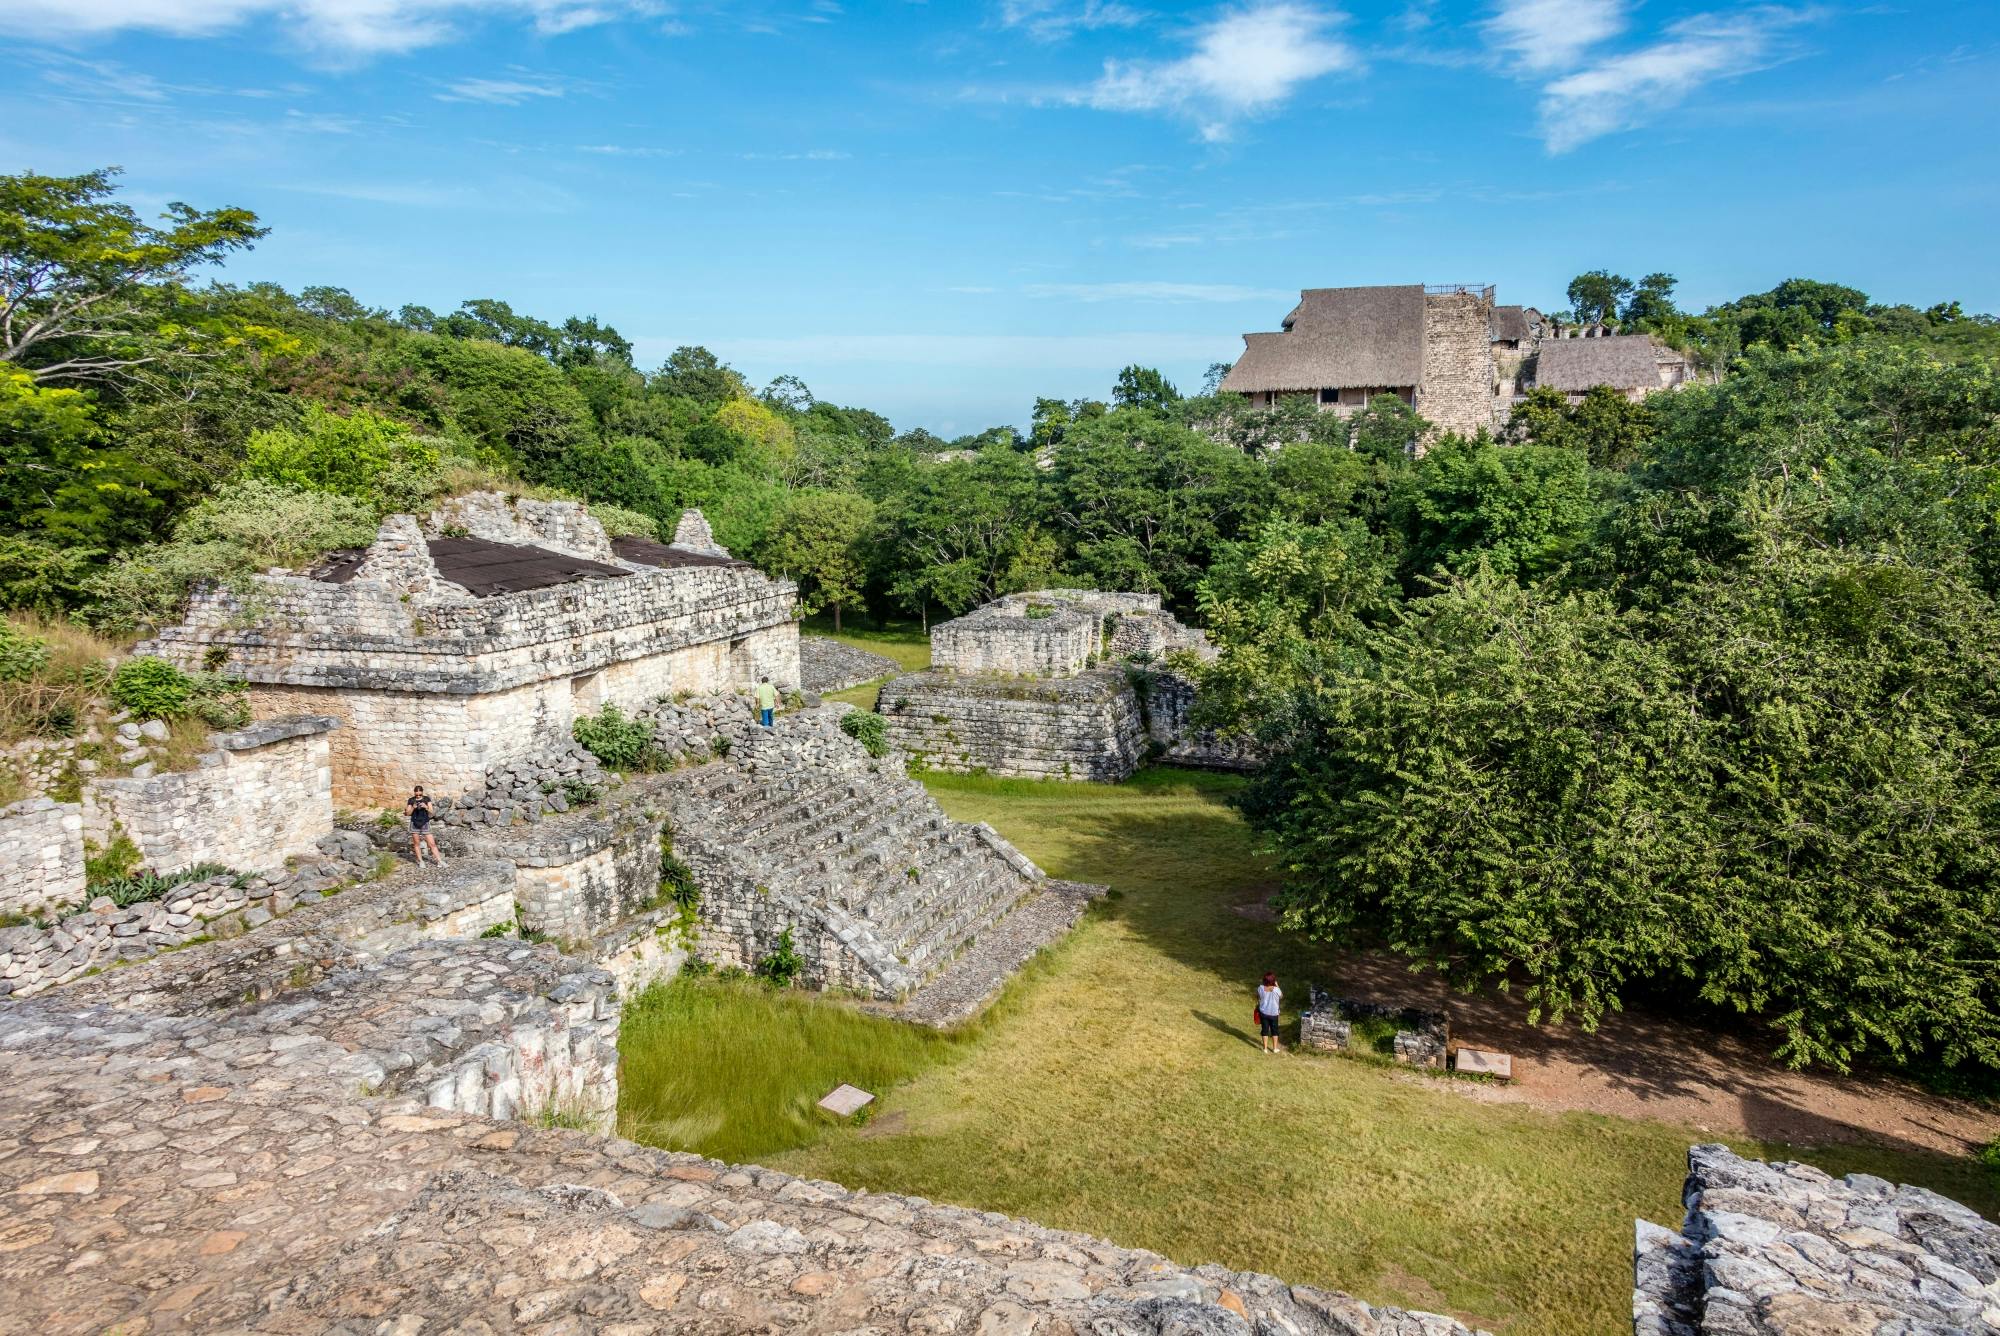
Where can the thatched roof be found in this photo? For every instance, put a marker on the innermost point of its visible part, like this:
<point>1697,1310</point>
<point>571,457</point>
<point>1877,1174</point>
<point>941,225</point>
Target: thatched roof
<point>1622,361</point>
<point>1338,338</point>
<point>1513,324</point>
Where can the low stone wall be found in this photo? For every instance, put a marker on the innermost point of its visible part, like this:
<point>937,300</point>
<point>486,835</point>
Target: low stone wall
<point>263,795</point>
<point>830,665</point>
<point>581,873</point>
<point>1327,1025</point>
<point>1083,727</point>
<point>1777,1249</point>
<point>38,957</point>
<point>41,856</point>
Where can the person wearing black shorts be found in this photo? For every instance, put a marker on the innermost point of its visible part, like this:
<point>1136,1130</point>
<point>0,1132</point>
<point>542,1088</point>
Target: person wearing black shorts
<point>418,810</point>
<point>1269,999</point>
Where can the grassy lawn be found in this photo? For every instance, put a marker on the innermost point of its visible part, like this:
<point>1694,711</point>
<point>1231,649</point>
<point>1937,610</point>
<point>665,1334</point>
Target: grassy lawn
<point>1115,1089</point>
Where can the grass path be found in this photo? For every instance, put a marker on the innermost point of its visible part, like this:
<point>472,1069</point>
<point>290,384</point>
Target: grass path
<point>1115,1089</point>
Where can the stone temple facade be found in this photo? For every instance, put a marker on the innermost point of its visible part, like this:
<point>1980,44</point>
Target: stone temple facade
<point>460,641</point>
<point>1057,684</point>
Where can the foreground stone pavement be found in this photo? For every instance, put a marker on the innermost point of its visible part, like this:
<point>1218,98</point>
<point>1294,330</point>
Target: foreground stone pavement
<point>284,1166</point>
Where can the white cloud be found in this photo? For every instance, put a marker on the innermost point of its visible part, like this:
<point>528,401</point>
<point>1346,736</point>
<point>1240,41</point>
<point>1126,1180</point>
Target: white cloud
<point>1157,292</point>
<point>344,27</point>
<point>1623,91</point>
<point>1055,20</point>
<point>1247,62</point>
<point>510,92</point>
<point>1543,35</point>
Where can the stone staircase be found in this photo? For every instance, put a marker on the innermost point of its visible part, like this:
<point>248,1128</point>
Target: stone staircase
<point>801,829</point>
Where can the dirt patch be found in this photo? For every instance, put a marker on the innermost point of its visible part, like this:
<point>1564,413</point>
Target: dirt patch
<point>1640,1065</point>
<point>890,1124</point>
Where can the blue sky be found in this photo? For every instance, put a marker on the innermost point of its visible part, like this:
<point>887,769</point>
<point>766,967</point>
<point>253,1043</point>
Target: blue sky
<point>941,210</point>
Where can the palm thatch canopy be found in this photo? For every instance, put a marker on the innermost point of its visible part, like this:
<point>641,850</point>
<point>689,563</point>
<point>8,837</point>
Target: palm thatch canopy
<point>1622,361</point>
<point>1338,338</point>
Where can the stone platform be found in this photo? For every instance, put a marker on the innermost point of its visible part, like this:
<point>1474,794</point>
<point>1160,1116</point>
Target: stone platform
<point>334,1159</point>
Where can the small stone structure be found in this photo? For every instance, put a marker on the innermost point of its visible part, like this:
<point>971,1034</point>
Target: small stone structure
<point>1057,684</point>
<point>1786,1250</point>
<point>41,856</point>
<point>1327,1025</point>
<point>463,641</point>
<point>263,795</point>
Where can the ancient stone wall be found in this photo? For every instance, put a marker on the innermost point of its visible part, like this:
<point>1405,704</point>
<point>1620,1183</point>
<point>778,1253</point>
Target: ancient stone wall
<point>41,856</point>
<point>1457,393</point>
<point>831,665</point>
<point>1168,699</point>
<point>263,795</point>
<point>437,687</point>
<point>35,957</point>
<point>1082,727</point>
<point>1774,1249</point>
<point>1014,640</point>
<point>799,829</point>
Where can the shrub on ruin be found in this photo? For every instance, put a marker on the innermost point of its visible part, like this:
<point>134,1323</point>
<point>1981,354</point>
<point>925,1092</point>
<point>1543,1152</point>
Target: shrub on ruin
<point>618,742</point>
<point>140,887</point>
<point>360,454</point>
<point>783,965</point>
<point>245,527</point>
<point>619,522</point>
<point>21,655</point>
<point>153,688</point>
<point>869,729</point>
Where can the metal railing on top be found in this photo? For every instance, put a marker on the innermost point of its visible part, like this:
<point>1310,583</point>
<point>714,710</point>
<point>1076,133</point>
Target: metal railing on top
<point>1484,290</point>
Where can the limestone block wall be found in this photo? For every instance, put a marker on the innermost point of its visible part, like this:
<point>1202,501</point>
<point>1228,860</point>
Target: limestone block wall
<point>264,795</point>
<point>1457,390</point>
<point>562,525</point>
<point>391,740</point>
<point>1004,638</point>
<point>578,875</point>
<point>1169,700</point>
<point>1084,727</point>
<point>41,855</point>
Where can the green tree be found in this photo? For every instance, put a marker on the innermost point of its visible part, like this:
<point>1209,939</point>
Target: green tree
<point>1651,303</point>
<point>86,286</point>
<point>818,539</point>
<point>362,455</point>
<point>1595,296</point>
<point>692,372</point>
<point>1144,387</point>
<point>1520,510</point>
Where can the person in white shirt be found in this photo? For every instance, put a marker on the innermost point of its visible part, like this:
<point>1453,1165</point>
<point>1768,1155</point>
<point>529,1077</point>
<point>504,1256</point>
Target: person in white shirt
<point>1269,996</point>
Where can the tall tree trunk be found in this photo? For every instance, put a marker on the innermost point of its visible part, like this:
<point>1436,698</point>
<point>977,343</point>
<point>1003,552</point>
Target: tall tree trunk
<point>836,619</point>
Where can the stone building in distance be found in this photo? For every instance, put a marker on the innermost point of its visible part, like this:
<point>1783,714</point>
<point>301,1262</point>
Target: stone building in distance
<point>478,634</point>
<point>1444,349</point>
<point>1057,684</point>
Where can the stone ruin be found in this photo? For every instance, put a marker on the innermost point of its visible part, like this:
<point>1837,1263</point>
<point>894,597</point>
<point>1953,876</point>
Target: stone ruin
<point>464,640</point>
<point>1787,1250</point>
<point>1422,1038</point>
<point>1057,684</point>
<point>339,1092</point>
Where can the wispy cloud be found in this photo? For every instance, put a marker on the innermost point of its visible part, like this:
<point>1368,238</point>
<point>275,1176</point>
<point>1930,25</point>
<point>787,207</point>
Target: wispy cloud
<point>1179,293</point>
<point>1543,35</point>
<point>629,151</point>
<point>347,28</point>
<point>1621,92</point>
<point>1248,62</point>
<point>804,155</point>
<point>511,91</point>
<point>1055,20</point>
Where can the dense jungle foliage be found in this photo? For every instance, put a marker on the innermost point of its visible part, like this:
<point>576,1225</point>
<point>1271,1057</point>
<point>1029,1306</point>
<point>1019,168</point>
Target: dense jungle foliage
<point>1695,698</point>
